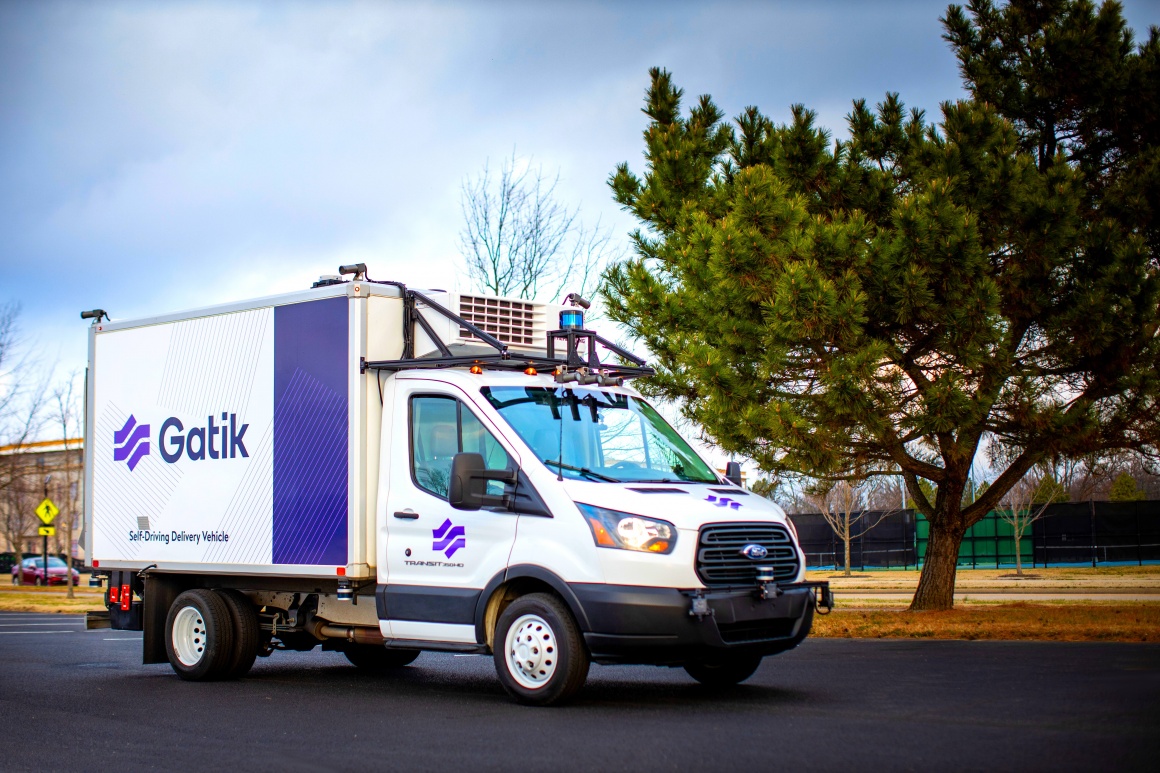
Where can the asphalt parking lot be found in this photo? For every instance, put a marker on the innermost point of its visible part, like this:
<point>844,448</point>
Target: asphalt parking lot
<point>80,700</point>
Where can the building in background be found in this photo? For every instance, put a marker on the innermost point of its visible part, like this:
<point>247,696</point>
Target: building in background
<point>28,473</point>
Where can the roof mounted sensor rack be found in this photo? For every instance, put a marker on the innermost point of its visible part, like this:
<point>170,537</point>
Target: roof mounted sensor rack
<point>571,368</point>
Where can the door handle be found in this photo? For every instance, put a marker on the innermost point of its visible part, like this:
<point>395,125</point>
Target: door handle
<point>407,515</point>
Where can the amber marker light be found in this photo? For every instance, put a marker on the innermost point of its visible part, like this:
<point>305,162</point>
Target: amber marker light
<point>601,534</point>
<point>531,371</point>
<point>477,370</point>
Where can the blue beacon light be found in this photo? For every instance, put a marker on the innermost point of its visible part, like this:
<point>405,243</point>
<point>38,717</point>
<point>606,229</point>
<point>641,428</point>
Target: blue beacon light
<point>572,319</point>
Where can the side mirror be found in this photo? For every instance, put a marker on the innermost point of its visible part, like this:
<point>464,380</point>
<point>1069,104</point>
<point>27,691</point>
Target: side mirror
<point>733,473</point>
<point>468,485</point>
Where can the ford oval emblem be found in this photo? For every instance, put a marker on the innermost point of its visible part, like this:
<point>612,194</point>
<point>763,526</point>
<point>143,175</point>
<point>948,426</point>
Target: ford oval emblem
<point>755,552</point>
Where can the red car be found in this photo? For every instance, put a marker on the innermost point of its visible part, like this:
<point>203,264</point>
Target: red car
<point>32,572</point>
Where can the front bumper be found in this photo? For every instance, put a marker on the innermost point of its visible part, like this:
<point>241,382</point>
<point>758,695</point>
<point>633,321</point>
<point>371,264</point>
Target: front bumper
<point>663,626</point>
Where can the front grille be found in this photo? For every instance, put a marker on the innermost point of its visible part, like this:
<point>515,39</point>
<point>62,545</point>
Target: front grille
<point>720,561</point>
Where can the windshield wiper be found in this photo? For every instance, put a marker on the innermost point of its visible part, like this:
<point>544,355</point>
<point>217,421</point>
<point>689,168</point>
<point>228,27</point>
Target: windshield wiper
<point>581,470</point>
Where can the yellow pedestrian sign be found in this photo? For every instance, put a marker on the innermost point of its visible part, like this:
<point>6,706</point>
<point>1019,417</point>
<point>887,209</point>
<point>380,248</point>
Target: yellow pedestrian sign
<point>46,511</point>
<point>46,531</point>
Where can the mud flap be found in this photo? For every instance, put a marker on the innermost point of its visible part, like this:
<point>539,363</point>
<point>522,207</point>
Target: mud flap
<point>157,597</point>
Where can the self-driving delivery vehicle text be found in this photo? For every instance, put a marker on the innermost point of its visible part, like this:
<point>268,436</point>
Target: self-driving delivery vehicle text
<point>376,470</point>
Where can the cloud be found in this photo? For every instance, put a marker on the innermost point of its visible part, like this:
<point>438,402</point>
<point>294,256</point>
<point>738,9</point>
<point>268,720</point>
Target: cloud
<point>156,156</point>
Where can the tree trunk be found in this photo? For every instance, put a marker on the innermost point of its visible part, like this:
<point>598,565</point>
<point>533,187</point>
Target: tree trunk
<point>1018,555</point>
<point>936,584</point>
<point>846,544</point>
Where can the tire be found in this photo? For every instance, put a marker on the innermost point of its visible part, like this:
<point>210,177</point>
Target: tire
<point>199,635</point>
<point>539,654</point>
<point>725,673</point>
<point>375,659</point>
<point>37,582</point>
<point>244,618</point>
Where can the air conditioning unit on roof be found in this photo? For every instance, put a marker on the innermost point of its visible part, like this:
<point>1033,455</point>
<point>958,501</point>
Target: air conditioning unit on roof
<point>521,324</point>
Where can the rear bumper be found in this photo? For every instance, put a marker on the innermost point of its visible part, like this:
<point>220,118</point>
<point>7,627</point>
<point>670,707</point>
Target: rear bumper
<point>633,624</point>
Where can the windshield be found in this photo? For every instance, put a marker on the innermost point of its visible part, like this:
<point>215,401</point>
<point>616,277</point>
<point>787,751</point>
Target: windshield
<point>592,435</point>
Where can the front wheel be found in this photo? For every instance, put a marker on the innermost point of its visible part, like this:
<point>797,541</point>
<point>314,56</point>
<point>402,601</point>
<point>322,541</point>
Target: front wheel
<point>724,673</point>
<point>199,635</point>
<point>539,654</point>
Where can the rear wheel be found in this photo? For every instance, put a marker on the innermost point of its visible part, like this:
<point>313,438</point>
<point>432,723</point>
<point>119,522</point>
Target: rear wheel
<point>375,658</point>
<point>199,635</point>
<point>724,673</point>
<point>539,654</point>
<point>244,618</point>
<point>38,582</point>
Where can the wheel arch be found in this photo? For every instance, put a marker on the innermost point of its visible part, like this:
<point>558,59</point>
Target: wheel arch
<point>516,581</point>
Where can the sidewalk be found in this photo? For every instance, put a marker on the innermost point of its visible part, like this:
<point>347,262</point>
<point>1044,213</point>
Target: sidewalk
<point>1073,584</point>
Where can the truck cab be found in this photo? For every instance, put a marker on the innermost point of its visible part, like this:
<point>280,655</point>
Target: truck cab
<point>477,497</point>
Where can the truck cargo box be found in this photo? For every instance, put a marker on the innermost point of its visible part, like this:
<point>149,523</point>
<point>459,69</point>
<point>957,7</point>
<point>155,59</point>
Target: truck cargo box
<point>238,438</point>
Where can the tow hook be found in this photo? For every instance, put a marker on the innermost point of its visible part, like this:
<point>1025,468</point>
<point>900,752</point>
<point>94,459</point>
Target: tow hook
<point>700,608</point>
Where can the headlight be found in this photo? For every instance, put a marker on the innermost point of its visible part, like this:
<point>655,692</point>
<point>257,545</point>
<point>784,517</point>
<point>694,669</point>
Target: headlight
<point>614,529</point>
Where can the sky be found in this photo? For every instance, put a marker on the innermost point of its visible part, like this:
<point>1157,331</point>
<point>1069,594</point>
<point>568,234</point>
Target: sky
<point>167,155</point>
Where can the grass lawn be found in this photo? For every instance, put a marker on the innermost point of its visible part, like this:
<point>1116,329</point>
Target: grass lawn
<point>27,598</point>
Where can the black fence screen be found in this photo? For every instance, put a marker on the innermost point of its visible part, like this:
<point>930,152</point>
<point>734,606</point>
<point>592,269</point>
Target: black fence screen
<point>878,540</point>
<point>1098,533</point>
<point>1091,533</point>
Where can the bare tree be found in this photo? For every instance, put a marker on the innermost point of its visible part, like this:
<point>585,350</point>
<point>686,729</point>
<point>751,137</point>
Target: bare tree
<point>519,240</point>
<point>67,415</point>
<point>846,506</point>
<point>1026,503</point>
<point>22,400</point>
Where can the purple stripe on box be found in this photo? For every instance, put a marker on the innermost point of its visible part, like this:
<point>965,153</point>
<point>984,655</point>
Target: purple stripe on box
<point>310,433</point>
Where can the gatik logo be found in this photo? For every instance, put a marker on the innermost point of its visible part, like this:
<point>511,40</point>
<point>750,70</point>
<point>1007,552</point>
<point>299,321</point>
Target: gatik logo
<point>213,441</point>
<point>448,538</point>
<point>131,442</point>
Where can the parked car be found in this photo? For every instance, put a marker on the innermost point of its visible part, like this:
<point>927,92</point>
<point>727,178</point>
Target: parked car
<point>32,572</point>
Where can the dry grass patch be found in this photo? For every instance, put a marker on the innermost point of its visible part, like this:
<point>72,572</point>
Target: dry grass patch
<point>55,599</point>
<point>1040,622</point>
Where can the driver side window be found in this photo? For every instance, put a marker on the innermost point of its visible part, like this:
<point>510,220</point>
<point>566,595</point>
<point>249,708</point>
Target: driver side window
<point>442,427</point>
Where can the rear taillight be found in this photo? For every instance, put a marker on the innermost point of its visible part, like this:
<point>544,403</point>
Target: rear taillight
<point>114,594</point>
<point>126,598</point>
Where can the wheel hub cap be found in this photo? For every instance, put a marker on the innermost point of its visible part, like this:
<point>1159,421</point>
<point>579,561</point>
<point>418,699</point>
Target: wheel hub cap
<point>189,636</point>
<point>531,651</point>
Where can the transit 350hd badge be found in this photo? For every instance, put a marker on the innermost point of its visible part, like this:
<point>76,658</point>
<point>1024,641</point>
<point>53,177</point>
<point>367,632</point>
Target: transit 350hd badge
<point>447,539</point>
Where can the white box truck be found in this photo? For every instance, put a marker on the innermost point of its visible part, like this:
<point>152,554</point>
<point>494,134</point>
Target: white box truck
<point>367,468</point>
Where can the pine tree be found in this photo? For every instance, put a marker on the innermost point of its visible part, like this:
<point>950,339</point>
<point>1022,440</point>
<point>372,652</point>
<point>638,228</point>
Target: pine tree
<point>1125,489</point>
<point>851,309</point>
